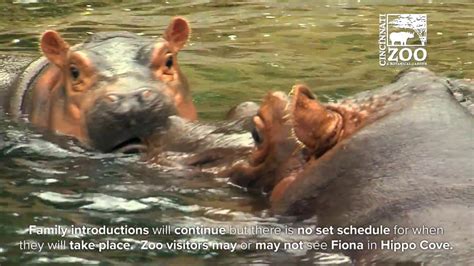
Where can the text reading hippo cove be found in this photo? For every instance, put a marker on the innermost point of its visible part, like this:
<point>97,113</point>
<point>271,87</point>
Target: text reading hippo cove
<point>402,39</point>
<point>267,238</point>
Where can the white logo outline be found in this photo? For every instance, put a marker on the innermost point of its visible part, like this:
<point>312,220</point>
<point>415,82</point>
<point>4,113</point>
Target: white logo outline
<point>403,39</point>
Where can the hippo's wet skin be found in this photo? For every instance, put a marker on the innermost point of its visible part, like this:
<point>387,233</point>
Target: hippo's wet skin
<point>402,157</point>
<point>110,92</point>
<point>204,146</point>
<point>199,146</point>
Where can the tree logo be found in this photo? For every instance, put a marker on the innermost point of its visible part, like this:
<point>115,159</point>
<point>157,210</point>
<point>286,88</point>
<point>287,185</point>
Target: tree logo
<point>402,39</point>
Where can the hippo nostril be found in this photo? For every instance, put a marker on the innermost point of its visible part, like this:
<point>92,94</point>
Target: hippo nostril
<point>112,98</point>
<point>146,94</point>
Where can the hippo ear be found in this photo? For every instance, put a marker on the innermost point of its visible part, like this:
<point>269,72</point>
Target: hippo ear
<point>54,47</point>
<point>177,33</point>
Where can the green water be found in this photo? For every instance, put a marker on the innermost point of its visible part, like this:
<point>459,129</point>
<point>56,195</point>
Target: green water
<point>238,51</point>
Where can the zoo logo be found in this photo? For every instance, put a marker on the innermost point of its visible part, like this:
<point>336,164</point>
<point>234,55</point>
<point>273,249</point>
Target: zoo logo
<point>402,39</point>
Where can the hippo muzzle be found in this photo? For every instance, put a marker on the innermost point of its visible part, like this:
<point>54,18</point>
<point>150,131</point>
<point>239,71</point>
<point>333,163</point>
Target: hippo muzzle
<point>119,121</point>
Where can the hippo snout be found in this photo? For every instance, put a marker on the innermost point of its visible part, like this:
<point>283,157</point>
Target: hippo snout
<point>135,101</point>
<point>119,121</point>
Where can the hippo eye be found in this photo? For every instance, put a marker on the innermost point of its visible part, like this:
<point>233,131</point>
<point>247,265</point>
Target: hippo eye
<point>74,72</point>
<point>256,136</point>
<point>169,62</point>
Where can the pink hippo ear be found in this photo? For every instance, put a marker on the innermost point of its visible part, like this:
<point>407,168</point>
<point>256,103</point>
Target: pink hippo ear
<point>54,48</point>
<point>177,33</point>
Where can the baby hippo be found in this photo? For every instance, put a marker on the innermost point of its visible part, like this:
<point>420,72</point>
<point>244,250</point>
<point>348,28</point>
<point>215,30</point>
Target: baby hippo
<point>110,92</point>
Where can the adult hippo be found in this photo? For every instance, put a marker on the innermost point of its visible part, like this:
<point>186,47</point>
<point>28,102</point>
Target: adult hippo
<point>110,92</point>
<point>401,158</point>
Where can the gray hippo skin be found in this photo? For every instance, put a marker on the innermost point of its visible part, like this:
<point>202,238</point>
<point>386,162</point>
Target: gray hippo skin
<point>403,157</point>
<point>110,92</point>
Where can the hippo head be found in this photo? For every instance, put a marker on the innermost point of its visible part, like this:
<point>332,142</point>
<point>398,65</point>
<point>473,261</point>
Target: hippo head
<point>272,154</point>
<point>114,90</point>
<point>288,134</point>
